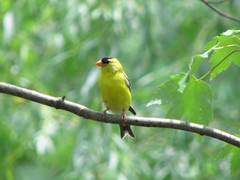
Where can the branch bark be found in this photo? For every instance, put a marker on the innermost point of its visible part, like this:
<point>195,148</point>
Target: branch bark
<point>209,4</point>
<point>82,111</point>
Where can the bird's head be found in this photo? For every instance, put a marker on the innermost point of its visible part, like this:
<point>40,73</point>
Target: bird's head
<point>110,64</point>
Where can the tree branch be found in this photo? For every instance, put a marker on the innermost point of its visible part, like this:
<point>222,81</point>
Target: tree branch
<point>209,4</point>
<point>216,2</point>
<point>82,111</point>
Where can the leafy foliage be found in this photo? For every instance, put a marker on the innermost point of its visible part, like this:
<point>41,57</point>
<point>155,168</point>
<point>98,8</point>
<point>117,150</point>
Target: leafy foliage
<point>192,97</point>
<point>223,50</point>
<point>194,101</point>
<point>51,47</point>
<point>235,157</point>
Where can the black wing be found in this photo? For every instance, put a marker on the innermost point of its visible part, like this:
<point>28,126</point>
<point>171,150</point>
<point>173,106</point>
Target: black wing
<point>127,81</point>
<point>129,87</point>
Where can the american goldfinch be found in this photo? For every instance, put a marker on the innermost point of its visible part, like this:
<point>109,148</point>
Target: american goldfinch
<point>115,91</point>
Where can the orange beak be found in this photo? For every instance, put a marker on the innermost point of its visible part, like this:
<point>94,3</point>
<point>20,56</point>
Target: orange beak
<point>99,63</point>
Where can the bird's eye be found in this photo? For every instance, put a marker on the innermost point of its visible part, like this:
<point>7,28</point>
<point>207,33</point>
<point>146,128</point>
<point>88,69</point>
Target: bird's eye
<point>105,60</point>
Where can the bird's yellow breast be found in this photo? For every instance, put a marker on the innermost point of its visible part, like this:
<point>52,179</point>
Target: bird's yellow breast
<point>115,93</point>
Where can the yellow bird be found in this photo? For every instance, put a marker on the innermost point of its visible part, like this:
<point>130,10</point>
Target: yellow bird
<point>115,91</point>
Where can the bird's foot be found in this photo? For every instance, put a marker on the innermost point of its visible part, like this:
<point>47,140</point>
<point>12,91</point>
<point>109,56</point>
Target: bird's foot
<point>104,113</point>
<point>124,118</point>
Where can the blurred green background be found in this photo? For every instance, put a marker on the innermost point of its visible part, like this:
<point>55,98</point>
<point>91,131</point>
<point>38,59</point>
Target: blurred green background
<point>52,46</point>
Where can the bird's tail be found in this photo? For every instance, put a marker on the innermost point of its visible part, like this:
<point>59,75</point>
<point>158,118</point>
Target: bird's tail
<point>126,130</point>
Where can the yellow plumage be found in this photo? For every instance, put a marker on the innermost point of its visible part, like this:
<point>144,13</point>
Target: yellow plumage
<point>115,90</point>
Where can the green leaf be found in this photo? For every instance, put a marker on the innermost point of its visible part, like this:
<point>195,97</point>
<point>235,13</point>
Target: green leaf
<point>197,100</point>
<point>230,32</point>
<point>236,59</point>
<point>225,151</point>
<point>225,53</point>
<point>197,59</point>
<point>211,44</point>
<point>170,94</point>
<point>225,48</point>
<point>235,160</point>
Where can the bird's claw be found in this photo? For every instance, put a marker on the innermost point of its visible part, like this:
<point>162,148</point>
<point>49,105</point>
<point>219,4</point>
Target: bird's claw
<point>104,113</point>
<point>124,117</point>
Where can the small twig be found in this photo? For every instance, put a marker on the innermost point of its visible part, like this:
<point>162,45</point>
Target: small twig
<point>220,12</point>
<point>59,101</point>
<point>87,113</point>
<point>230,45</point>
<point>237,37</point>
